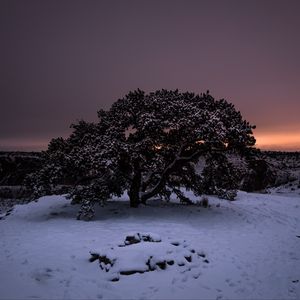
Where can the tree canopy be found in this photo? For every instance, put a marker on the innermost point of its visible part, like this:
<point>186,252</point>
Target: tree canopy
<point>149,145</point>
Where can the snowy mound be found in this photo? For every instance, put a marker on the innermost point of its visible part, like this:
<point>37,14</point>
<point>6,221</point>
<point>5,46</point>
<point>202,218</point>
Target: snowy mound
<point>146,252</point>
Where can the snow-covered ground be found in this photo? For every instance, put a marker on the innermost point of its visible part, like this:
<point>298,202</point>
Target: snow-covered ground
<point>246,249</point>
<point>291,189</point>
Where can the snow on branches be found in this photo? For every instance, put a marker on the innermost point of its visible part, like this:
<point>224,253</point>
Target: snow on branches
<point>147,144</point>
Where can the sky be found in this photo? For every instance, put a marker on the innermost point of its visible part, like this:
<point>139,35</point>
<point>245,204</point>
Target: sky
<point>62,61</point>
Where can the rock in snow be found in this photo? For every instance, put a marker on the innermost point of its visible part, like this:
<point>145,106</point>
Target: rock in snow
<point>145,252</point>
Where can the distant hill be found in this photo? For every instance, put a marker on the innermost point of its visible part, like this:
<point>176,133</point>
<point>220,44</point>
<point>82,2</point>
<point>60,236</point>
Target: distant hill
<point>14,166</point>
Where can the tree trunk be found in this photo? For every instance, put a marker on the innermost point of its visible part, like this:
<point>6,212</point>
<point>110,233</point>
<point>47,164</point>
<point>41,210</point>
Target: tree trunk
<point>134,191</point>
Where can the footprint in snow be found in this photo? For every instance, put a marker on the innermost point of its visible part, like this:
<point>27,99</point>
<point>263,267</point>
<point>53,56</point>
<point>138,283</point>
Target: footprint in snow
<point>229,282</point>
<point>42,275</point>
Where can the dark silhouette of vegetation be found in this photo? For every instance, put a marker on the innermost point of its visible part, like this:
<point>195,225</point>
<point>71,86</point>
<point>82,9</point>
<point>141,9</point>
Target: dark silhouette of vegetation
<point>149,145</point>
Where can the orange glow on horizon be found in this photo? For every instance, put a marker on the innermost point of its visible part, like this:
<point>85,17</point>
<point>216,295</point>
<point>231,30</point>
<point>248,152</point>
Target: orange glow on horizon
<point>289,141</point>
<point>278,141</point>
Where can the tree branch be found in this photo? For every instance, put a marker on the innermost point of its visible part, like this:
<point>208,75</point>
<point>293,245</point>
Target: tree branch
<point>168,170</point>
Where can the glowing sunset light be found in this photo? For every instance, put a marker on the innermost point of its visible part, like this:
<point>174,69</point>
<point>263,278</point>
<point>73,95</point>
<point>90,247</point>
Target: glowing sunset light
<point>278,141</point>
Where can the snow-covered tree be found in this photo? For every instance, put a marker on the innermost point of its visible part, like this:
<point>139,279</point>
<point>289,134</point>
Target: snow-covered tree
<point>147,144</point>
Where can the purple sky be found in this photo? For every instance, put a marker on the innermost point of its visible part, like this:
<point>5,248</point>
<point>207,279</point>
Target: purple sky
<point>63,60</point>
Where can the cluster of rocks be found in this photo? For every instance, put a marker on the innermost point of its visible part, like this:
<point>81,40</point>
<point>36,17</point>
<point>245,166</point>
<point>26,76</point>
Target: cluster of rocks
<point>146,252</point>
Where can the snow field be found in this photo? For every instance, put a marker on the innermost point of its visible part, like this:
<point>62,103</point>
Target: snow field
<point>251,245</point>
